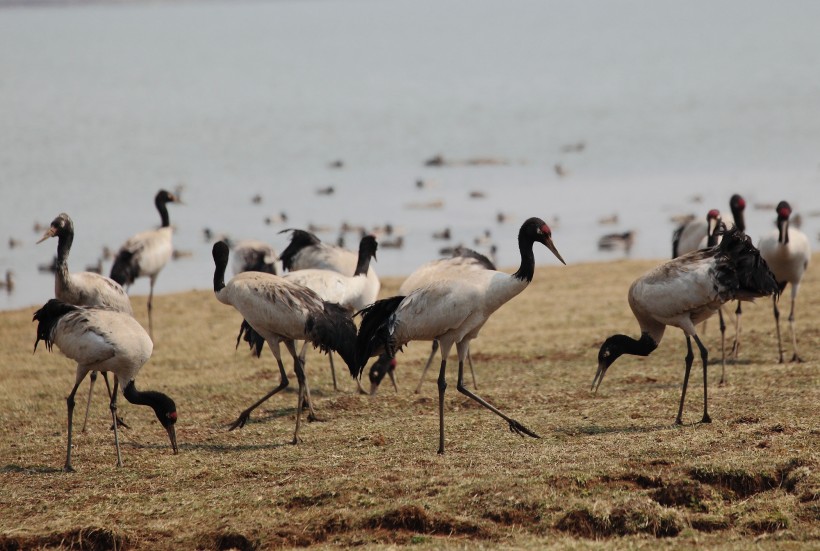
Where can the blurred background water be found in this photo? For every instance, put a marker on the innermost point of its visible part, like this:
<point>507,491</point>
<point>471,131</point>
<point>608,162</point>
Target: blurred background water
<point>570,111</point>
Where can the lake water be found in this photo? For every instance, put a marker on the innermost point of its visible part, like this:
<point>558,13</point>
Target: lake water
<point>102,105</point>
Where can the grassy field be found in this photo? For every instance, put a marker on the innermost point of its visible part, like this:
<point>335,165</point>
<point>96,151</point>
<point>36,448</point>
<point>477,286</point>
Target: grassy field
<point>609,471</point>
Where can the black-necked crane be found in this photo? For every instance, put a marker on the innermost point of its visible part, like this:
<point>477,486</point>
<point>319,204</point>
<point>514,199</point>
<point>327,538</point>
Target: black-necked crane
<point>306,251</point>
<point>104,340</point>
<point>83,288</point>
<point>684,292</point>
<point>146,253</point>
<point>696,234</point>
<point>788,253</point>
<point>452,311</point>
<point>281,311</point>
<point>251,255</point>
<point>458,266</point>
<point>350,292</point>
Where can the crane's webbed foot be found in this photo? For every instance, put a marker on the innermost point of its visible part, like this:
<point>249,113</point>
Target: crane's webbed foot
<point>706,418</point>
<point>521,430</point>
<point>796,358</point>
<point>68,468</point>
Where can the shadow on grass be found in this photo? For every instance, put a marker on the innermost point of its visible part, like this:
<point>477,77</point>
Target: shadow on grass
<point>211,447</point>
<point>591,430</point>
<point>34,469</point>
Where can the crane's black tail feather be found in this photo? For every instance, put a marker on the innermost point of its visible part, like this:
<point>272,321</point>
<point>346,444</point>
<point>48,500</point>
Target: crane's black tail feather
<point>374,332</point>
<point>334,330</point>
<point>124,271</point>
<point>742,270</point>
<point>48,316</point>
<point>676,240</point>
<point>299,239</point>
<point>254,339</point>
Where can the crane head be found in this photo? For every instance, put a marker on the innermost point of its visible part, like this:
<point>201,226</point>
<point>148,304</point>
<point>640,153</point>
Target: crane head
<point>538,230</point>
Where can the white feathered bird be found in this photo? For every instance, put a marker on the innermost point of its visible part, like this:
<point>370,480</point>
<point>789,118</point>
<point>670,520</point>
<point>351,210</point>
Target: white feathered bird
<point>306,251</point>
<point>103,340</point>
<point>684,292</point>
<point>146,253</point>
<point>277,310</point>
<point>251,255</point>
<point>83,289</point>
<point>452,311</point>
<point>788,254</point>
<point>458,266</point>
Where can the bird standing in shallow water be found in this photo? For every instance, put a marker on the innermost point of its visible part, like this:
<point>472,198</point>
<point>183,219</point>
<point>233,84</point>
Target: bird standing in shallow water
<point>452,311</point>
<point>103,340</point>
<point>684,292</point>
<point>146,253</point>
<point>84,289</point>
<point>788,253</point>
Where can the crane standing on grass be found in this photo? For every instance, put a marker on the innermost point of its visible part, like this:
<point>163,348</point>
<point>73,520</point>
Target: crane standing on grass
<point>146,253</point>
<point>452,311</point>
<point>683,293</point>
<point>84,289</point>
<point>787,251</point>
<point>103,340</point>
<point>279,310</point>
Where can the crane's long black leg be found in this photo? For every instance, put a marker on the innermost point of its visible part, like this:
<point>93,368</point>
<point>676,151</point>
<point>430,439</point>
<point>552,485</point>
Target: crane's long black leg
<point>150,308</point>
<point>777,325</point>
<point>690,356</point>
<point>113,406</point>
<point>736,345</point>
<point>300,377</point>
<point>88,403</point>
<point>120,422</point>
<point>472,371</point>
<point>442,386</point>
<point>283,383</point>
<point>796,357</point>
<point>704,356</point>
<point>427,366</point>
<point>70,403</point>
<point>515,426</point>
<point>722,346</point>
<point>332,370</point>
<point>307,400</point>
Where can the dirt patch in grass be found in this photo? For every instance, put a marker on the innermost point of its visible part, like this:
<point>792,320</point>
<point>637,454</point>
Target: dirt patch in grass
<point>305,501</point>
<point>223,541</point>
<point>683,493</point>
<point>634,517</point>
<point>709,523</point>
<point>521,514</point>
<point>742,484</point>
<point>413,518</point>
<point>769,523</point>
<point>83,539</point>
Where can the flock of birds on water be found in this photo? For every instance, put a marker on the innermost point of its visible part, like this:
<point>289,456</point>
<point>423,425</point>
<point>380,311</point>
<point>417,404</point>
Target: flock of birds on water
<point>324,287</point>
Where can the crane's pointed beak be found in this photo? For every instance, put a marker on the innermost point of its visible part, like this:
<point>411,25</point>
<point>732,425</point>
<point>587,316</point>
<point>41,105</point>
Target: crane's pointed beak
<point>373,389</point>
<point>551,246</point>
<point>172,434</point>
<point>599,377</point>
<point>50,232</point>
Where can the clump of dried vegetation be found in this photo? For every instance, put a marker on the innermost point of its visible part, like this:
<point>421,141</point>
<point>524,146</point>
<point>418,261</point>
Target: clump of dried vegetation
<point>609,467</point>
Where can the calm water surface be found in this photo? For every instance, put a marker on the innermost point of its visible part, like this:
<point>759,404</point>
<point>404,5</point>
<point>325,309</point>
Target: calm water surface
<point>100,106</point>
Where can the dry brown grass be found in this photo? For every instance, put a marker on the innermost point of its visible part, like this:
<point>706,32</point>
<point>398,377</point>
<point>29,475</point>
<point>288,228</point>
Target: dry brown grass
<point>610,471</point>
